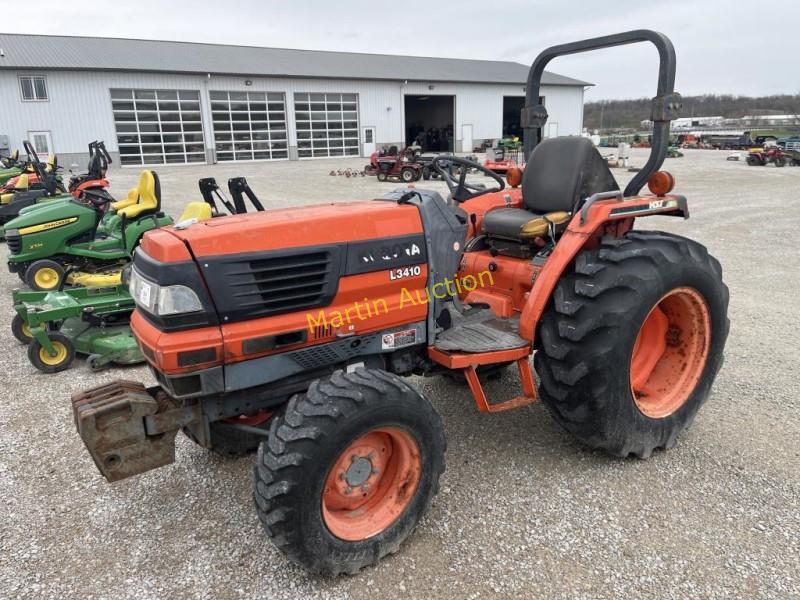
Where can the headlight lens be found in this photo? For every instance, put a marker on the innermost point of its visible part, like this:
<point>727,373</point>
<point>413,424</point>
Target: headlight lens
<point>166,300</point>
<point>176,299</point>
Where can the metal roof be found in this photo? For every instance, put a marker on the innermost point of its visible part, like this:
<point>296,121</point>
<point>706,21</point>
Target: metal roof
<point>22,51</point>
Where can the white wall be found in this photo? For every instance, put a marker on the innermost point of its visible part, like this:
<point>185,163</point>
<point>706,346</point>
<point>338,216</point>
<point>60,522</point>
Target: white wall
<point>79,106</point>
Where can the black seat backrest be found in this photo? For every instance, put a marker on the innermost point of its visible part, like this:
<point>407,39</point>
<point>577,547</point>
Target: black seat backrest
<point>94,169</point>
<point>392,151</point>
<point>562,172</point>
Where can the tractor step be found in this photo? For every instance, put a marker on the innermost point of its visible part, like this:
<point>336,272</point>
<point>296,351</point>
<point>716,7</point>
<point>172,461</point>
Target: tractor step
<point>129,429</point>
<point>480,331</point>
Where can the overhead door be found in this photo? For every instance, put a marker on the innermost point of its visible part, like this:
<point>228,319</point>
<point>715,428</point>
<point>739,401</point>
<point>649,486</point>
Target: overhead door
<point>326,124</point>
<point>249,125</point>
<point>156,127</point>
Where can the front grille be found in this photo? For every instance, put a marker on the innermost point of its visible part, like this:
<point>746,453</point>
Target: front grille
<point>274,283</point>
<point>14,241</point>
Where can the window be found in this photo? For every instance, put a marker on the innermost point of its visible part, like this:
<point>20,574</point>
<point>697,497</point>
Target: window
<point>249,125</point>
<point>327,125</point>
<point>156,127</point>
<point>33,88</point>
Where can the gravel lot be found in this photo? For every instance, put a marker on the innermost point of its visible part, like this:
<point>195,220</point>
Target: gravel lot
<point>523,510</point>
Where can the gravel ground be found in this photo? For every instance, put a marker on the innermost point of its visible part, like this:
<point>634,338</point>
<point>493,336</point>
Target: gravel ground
<point>523,510</point>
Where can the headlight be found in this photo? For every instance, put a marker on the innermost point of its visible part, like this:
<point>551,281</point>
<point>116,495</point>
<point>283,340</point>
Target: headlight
<point>175,299</point>
<point>162,300</point>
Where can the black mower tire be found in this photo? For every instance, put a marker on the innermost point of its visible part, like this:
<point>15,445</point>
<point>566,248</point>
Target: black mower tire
<point>587,335</point>
<point>228,442</point>
<point>294,466</point>
<point>426,173</point>
<point>780,162</point>
<point>37,267</point>
<point>381,176</point>
<point>753,161</point>
<point>62,361</point>
<point>20,330</point>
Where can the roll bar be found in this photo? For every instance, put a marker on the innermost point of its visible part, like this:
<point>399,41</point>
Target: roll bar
<point>665,107</point>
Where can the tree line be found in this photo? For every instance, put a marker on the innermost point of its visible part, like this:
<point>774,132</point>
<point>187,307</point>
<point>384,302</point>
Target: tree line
<point>615,114</point>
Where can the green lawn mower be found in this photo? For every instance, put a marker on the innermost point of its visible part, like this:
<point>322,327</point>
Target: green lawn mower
<point>86,235</point>
<point>38,183</point>
<point>90,321</point>
<point>10,167</point>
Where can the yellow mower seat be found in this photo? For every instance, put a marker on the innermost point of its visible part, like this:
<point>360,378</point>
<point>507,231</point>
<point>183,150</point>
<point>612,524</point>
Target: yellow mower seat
<point>128,201</point>
<point>52,163</point>
<point>199,211</point>
<point>23,182</point>
<point>148,196</point>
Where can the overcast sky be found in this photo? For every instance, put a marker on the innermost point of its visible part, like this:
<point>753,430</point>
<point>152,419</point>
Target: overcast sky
<point>724,46</point>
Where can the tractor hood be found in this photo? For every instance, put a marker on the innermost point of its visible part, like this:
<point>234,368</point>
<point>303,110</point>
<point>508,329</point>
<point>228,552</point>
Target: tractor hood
<point>300,226</point>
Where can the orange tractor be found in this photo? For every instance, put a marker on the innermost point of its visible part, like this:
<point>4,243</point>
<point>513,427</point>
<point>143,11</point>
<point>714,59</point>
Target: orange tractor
<point>291,331</point>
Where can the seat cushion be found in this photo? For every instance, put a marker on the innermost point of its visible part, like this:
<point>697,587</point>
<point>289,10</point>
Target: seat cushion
<point>562,172</point>
<point>507,222</point>
<point>148,196</point>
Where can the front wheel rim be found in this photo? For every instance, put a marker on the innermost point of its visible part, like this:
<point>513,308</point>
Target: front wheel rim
<point>59,357</point>
<point>371,484</point>
<point>46,278</point>
<point>670,352</point>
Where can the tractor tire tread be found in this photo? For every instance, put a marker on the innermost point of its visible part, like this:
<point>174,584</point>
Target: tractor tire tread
<point>295,440</point>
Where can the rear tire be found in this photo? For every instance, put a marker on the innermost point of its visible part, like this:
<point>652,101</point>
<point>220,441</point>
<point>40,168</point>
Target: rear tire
<point>408,175</point>
<point>44,275</point>
<point>323,445</point>
<point>780,162</point>
<point>588,337</point>
<point>426,173</point>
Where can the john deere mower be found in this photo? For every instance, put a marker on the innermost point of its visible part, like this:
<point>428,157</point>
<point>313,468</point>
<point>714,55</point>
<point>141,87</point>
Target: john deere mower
<point>48,188</point>
<point>290,331</point>
<point>10,167</point>
<point>57,236</point>
<point>94,321</point>
<point>39,183</point>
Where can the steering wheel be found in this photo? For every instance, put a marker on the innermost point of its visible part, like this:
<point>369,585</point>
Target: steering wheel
<point>460,190</point>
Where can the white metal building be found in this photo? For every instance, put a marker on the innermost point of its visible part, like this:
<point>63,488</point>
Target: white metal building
<point>157,102</point>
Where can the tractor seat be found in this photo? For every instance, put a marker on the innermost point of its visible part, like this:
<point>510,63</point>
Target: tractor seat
<point>129,200</point>
<point>23,182</point>
<point>148,197</point>
<point>197,211</point>
<point>560,175</point>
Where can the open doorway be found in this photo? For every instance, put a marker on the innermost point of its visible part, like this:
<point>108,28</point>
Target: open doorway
<point>429,122</point>
<point>512,110</point>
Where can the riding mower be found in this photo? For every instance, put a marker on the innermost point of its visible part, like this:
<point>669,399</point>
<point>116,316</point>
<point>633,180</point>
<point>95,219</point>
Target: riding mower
<point>37,185</point>
<point>48,186</point>
<point>94,321</point>
<point>10,167</point>
<point>402,166</point>
<point>82,235</point>
<point>289,331</point>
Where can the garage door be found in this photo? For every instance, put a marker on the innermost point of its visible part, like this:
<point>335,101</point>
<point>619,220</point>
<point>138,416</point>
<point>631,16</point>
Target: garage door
<point>156,127</point>
<point>327,125</point>
<point>249,125</point>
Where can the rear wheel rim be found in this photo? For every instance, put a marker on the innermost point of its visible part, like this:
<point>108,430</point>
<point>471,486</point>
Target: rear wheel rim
<point>60,355</point>
<point>46,278</point>
<point>670,352</point>
<point>371,484</point>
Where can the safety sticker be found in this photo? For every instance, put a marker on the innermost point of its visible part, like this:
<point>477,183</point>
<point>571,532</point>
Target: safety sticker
<point>399,339</point>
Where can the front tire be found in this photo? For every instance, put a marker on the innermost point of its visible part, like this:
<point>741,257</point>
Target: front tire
<point>408,175</point>
<point>20,330</point>
<point>47,363</point>
<point>349,470</point>
<point>44,275</point>
<point>381,176</point>
<point>632,342</point>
